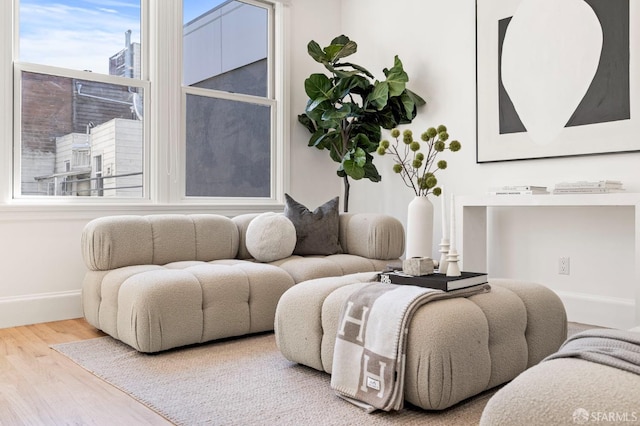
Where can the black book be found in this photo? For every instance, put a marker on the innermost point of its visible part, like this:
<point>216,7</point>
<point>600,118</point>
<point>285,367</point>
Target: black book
<point>437,281</point>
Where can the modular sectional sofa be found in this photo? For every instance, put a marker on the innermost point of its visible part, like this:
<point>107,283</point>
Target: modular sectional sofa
<point>158,282</point>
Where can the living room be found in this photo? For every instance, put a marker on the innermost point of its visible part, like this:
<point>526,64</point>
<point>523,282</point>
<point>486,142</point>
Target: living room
<point>40,246</point>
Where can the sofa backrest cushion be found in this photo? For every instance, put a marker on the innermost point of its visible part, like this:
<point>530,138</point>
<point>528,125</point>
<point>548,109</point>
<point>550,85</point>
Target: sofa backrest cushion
<point>371,235</point>
<point>116,241</point>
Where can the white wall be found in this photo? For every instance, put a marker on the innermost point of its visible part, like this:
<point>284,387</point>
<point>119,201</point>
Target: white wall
<point>436,42</point>
<point>313,178</point>
<point>40,257</point>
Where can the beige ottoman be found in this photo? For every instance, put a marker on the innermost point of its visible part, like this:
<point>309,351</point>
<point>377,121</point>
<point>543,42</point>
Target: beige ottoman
<point>456,348</point>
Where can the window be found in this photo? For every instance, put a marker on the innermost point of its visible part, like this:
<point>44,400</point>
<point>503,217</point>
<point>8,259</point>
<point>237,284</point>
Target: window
<point>83,76</point>
<point>79,89</point>
<point>229,117</point>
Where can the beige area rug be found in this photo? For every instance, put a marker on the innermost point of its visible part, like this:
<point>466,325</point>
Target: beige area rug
<point>244,381</point>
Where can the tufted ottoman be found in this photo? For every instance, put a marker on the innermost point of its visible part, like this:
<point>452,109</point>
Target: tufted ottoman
<point>456,348</point>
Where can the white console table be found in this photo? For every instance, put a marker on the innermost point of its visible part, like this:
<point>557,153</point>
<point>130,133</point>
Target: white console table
<point>471,228</point>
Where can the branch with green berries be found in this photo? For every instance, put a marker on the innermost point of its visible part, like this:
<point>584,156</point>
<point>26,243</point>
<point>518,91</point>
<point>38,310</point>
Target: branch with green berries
<point>417,167</point>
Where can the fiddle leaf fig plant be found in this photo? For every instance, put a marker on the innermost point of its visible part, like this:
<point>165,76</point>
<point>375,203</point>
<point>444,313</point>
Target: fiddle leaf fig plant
<point>348,108</point>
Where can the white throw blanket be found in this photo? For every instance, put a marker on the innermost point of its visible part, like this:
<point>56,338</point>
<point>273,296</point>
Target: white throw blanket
<point>369,354</point>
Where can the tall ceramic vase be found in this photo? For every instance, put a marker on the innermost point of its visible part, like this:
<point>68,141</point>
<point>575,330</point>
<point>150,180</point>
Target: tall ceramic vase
<point>420,228</point>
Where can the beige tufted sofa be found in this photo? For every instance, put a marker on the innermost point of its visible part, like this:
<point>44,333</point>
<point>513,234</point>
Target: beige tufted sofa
<point>157,282</point>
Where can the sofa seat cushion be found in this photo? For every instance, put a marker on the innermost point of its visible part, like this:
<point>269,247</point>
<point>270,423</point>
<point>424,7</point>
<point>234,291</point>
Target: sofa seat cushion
<point>304,268</point>
<point>154,308</point>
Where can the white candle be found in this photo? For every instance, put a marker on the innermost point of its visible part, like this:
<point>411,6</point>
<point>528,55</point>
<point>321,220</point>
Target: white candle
<point>452,242</point>
<point>444,215</point>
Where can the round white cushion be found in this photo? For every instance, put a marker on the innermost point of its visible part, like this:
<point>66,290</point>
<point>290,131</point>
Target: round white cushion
<point>270,236</point>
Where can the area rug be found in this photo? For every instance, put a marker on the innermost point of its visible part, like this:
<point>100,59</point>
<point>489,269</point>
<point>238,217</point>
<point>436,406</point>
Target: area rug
<point>244,381</point>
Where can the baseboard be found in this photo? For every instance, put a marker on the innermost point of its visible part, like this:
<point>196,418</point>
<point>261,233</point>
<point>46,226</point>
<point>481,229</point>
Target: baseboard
<point>597,310</point>
<point>37,308</point>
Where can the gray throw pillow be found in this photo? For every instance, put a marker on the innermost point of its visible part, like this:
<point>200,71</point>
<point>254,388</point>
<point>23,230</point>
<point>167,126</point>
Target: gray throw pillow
<point>316,232</point>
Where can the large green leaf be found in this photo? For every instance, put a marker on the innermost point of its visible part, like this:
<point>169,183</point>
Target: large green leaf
<point>416,98</point>
<point>345,85</point>
<point>360,157</point>
<point>331,139</point>
<point>386,119</point>
<point>408,104</point>
<point>371,130</point>
<point>307,122</point>
<point>397,78</point>
<point>340,73</point>
<point>352,169</point>
<point>371,172</point>
<point>341,39</point>
<point>318,86</point>
<point>337,113</point>
<point>317,112</point>
<point>355,67</point>
<point>380,95</point>
<point>339,51</point>
<point>317,137</point>
<point>316,52</point>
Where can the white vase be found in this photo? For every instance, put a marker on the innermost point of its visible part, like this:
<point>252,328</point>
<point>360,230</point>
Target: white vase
<point>420,228</point>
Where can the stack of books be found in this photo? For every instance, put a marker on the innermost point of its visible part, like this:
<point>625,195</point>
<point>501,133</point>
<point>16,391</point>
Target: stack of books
<point>519,190</point>
<point>588,187</point>
<point>437,281</point>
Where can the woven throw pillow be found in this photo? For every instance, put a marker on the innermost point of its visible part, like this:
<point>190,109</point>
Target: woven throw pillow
<point>270,236</point>
<point>317,232</point>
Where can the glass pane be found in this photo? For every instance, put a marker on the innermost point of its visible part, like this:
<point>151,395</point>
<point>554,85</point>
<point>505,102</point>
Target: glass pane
<point>99,36</point>
<point>228,148</point>
<point>80,138</point>
<point>225,46</point>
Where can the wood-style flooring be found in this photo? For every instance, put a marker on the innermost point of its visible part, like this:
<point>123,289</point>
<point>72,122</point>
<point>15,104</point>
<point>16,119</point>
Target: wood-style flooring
<point>38,386</point>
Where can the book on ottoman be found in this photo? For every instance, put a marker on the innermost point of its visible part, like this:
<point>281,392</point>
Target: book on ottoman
<point>437,281</point>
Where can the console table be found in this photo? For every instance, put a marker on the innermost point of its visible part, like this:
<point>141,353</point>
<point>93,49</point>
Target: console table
<point>472,223</point>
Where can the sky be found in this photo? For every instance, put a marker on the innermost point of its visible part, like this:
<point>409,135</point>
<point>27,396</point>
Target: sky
<point>83,34</point>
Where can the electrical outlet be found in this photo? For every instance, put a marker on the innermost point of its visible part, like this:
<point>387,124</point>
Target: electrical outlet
<point>563,266</point>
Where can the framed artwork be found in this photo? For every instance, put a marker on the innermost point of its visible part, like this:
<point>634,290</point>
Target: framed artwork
<point>557,78</point>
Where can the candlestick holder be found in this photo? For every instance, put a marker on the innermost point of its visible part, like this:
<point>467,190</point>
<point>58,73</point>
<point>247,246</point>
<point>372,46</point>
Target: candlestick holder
<point>444,250</point>
<point>453,270</point>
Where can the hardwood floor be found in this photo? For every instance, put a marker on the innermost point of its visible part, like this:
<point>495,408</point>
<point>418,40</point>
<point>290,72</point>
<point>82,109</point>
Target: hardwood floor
<point>38,386</point>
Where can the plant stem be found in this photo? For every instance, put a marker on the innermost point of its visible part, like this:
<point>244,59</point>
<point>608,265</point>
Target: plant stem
<point>346,193</point>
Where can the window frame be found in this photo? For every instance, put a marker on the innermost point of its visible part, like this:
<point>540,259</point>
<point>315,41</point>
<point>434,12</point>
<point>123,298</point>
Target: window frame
<point>273,99</point>
<point>164,106</point>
